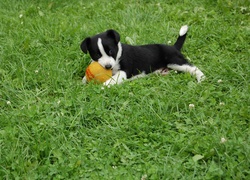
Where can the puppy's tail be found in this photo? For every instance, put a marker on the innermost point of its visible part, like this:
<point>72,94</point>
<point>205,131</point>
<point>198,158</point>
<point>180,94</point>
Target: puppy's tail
<point>181,39</point>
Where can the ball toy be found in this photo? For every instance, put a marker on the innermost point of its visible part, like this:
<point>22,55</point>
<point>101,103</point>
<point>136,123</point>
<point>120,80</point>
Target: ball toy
<point>95,72</point>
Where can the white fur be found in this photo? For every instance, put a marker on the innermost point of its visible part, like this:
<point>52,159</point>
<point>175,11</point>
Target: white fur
<point>143,74</point>
<point>105,59</point>
<point>84,80</point>
<point>183,30</point>
<point>119,53</point>
<point>118,78</point>
<point>193,70</point>
<point>116,67</point>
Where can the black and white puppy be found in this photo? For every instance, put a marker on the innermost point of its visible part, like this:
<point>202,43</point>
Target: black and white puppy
<point>128,62</point>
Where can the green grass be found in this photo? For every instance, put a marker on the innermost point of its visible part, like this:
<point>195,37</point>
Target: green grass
<point>54,127</point>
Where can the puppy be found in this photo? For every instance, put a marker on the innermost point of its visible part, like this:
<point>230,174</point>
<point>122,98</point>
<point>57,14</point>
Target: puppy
<point>129,62</point>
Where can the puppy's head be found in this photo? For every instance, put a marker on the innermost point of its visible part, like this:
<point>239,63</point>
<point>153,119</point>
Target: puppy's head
<point>104,48</point>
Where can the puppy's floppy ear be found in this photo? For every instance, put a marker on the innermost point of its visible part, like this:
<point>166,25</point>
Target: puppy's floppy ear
<point>85,45</point>
<point>113,34</point>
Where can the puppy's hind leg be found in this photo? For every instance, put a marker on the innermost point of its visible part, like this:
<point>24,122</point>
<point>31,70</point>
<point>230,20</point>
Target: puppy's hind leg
<point>193,70</point>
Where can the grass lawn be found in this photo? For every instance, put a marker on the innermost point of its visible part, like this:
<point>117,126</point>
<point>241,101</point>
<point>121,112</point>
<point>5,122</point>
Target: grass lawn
<point>158,127</point>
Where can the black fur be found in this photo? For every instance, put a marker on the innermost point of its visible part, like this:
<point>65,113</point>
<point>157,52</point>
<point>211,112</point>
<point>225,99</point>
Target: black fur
<point>149,58</point>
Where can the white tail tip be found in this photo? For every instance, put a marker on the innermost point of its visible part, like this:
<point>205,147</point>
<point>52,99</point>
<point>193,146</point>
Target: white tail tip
<point>183,30</point>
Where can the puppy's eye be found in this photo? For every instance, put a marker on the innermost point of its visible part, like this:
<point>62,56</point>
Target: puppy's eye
<point>110,52</point>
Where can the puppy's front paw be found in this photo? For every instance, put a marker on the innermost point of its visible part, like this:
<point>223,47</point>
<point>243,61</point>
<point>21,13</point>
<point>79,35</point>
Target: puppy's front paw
<point>109,82</point>
<point>106,84</point>
<point>103,87</point>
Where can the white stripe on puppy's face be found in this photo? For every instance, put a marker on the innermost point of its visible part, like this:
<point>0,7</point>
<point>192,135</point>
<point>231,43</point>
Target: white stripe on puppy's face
<point>105,60</point>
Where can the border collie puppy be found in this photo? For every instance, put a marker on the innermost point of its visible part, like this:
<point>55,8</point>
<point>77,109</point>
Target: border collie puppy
<point>129,62</point>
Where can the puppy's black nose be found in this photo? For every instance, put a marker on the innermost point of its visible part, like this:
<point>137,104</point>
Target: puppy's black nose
<point>108,66</point>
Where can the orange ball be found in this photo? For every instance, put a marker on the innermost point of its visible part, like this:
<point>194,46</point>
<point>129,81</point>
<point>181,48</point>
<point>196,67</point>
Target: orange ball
<point>97,73</point>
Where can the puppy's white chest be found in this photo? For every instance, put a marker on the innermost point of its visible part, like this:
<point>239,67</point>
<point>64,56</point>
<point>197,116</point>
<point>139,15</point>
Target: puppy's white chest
<point>116,69</point>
